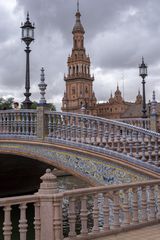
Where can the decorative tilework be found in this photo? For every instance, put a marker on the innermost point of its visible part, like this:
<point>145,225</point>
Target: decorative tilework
<point>95,169</point>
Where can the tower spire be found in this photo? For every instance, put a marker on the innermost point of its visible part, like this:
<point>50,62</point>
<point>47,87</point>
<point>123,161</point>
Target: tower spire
<point>77,5</point>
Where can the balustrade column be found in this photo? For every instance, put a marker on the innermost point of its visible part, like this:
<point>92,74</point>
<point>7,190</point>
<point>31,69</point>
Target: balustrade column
<point>79,129</point>
<point>135,206</point>
<point>149,150</point>
<point>112,137</point>
<point>100,130</point>
<point>73,129</point>
<point>116,208</point>
<point>156,150</point>
<point>95,215</point>
<point>130,143</point>
<point>84,131</point>
<point>49,125</point>
<point>69,128</point>
<point>152,204</point>
<point>106,226</point>
<point>72,217</point>
<point>64,127</point>
<point>37,222</point>
<point>94,132</point>
<point>106,135</point>
<point>23,124</point>
<point>59,127</point>
<point>118,139</point>
<point>127,219</point>
<point>57,219</point>
<point>83,215</point>
<point>23,222</point>
<point>158,201</point>
<point>89,131</point>
<point>143,148</point>
<point>144,205</point>
<point>7,225</point>
<point>136,145</point>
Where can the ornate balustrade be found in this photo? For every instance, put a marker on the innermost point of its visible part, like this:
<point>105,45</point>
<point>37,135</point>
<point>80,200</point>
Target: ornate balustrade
<point>115,138</point>
<point>8,205</point>
<point>104,135</point>
<point>83,213</point>
<point>138,122</point>
<point>111,208</point>
<point>18,123</point>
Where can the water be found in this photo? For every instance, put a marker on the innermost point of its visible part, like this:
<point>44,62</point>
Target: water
<point>64,183</point>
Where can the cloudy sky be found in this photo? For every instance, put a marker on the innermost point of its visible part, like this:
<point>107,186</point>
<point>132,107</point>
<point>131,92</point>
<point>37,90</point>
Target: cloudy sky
<point>118,34</point>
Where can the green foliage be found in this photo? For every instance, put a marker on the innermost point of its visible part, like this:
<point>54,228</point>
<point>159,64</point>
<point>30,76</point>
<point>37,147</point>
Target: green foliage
<point>6,103</point>
<point>50,105</point>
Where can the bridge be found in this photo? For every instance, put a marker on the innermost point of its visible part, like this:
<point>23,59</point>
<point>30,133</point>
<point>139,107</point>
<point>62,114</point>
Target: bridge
<point>100,151</point>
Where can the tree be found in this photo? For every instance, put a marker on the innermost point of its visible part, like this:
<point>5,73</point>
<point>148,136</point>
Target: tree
<point>50,105</point>
<point>6,103</point>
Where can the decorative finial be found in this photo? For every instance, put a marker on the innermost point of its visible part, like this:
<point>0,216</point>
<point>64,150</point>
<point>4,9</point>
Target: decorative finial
<point>77,5</point>
<point>117,86</point>
<point>154,96</point>
<point>42,86</point>
<point>27,15</point>
<point>154,105</point>
<point>142,59</point>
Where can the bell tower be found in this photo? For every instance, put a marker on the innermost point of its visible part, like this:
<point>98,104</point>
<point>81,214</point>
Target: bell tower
<point>79,82</point>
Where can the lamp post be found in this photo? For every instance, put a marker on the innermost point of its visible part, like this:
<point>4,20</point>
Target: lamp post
<point>27,37</point>
<point>143,74</point>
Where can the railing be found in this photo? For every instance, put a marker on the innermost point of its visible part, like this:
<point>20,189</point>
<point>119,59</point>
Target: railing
<point>94,133</point>
<point>87,213</point>
<point>112,136</point>
<point>138,122</point>
<point>18,122</point>
<point>21,202</point>
<point>111,208</point>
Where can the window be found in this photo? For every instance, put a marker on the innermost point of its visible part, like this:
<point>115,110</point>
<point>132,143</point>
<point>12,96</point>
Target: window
<point>73,91</point>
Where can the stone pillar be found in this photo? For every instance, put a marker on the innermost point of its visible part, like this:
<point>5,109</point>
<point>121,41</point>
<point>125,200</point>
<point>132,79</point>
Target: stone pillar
<point>46,193</point>
<point>42,121</point>
<point>153,117</point>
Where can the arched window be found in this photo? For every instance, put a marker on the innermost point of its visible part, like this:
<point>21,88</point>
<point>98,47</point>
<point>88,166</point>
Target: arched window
<point>73,70</point>
<point>82,43</point>
<point>73,91</point>
<point>77,69</point>
<point>75,43</point>
<point>86,90</point>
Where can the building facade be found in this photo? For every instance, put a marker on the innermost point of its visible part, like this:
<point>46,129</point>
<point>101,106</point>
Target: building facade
<point>79,94</point>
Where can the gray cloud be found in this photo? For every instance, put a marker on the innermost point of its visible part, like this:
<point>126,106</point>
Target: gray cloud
<point>118,33</point>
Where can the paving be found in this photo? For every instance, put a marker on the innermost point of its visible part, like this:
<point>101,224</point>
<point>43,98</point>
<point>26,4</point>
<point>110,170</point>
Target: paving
<point>147,233</point>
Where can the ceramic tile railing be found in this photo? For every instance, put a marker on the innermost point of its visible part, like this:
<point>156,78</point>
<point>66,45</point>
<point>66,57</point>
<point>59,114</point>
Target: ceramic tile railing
<point>119,137</point>
<point>18,122</point>
<point>138,122</point>
<point>87,213</point>
<point>22,203</point>
<point>111,208</point>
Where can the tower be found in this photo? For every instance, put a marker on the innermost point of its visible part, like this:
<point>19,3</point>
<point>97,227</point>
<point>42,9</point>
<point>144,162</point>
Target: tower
<point>79,83</point>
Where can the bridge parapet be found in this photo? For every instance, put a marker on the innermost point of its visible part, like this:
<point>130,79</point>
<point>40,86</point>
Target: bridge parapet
<point>99,133</point>
<point>138,122</point>
<point>87,213</point>
<point>115,138</point>
<point>18,123</point>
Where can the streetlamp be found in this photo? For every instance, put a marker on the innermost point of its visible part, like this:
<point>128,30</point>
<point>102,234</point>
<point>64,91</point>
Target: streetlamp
<point>143,74</point>
<point>27,37</point>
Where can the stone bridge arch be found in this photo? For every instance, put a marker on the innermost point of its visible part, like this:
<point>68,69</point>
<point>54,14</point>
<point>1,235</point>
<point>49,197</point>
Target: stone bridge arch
<point>94,168</point>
